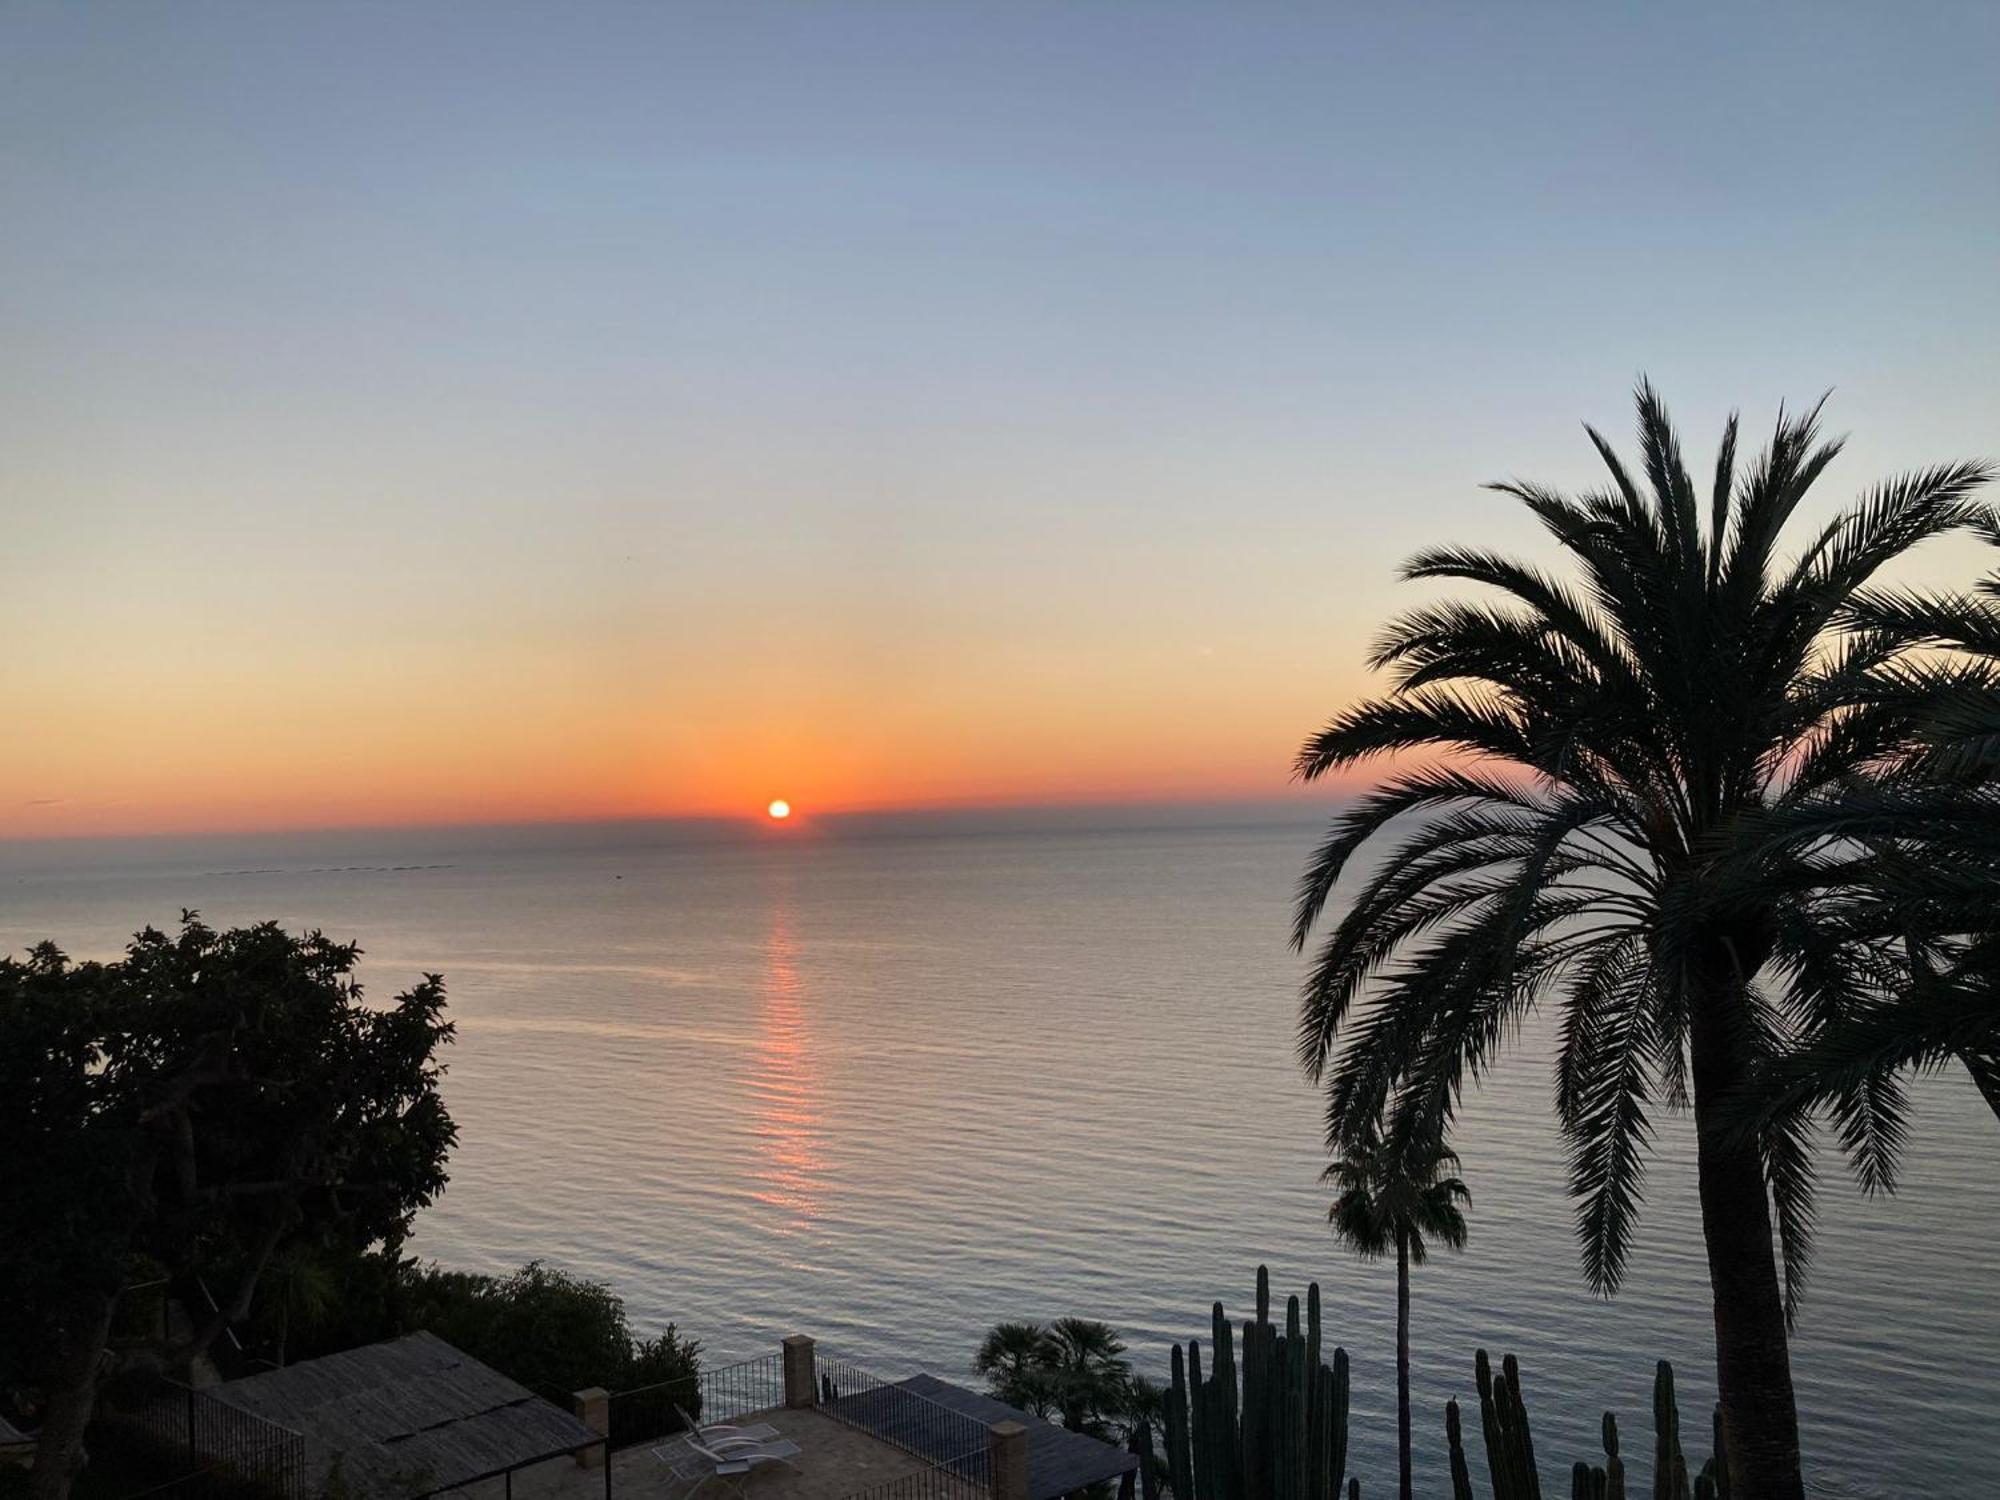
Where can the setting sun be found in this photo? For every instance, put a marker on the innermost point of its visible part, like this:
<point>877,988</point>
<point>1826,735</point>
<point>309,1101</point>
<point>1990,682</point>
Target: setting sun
<point>780,809</point>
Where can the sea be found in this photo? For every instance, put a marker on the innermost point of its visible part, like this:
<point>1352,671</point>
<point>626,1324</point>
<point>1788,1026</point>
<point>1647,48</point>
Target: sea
<point>888,1081</point>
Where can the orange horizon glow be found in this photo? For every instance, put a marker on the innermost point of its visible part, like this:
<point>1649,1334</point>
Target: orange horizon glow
<point>126,743</point>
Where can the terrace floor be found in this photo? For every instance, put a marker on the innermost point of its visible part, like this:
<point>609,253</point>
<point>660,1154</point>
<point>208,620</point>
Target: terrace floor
<point>835,1461</point>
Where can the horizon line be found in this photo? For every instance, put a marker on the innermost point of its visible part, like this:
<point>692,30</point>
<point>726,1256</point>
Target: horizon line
<point>1294,800</point>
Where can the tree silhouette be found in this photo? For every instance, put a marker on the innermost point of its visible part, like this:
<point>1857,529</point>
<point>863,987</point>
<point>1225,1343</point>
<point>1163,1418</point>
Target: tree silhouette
<point>1653,793</point>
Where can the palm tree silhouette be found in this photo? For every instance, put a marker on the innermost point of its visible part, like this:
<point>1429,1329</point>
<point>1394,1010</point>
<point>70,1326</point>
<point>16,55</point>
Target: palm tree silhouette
<point>1621,822</point>
<point>1392,1197</point>
<point>1092,1375</point>
<point>1014,1358</point>
<point>1928,894</point>
<point>1073,1369</point>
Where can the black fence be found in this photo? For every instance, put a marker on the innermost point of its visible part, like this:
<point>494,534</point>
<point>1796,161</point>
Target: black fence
<point>176,1443</point>
<point>956,1449</point>
<point>933,1483</point>
<point>937,1482</point>
<point>719,1395</point>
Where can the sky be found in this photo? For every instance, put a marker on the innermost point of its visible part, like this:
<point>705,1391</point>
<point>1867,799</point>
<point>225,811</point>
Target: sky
<point>458,412</point>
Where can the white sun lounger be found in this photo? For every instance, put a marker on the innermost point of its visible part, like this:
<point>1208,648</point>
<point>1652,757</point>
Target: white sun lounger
<point>722,1434</point>
<point>691,1460</point>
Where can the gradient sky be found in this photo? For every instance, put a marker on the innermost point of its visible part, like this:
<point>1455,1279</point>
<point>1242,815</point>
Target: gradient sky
<point>463,412</point>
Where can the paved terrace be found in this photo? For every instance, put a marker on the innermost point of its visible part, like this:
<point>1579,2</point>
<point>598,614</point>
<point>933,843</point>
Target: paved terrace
<point>836,1461</point>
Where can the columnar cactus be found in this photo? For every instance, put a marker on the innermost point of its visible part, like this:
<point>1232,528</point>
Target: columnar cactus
<point>1141,1445</point>
<point>1270,1420</point>
<point>1198,1436</point>
<point>1225,1465</point>
<point>1337,1464</point>
<point>1461,1475</point>
<point>1180,1467</point>
<point>1669,1468</point>
<point>1510,1448</point>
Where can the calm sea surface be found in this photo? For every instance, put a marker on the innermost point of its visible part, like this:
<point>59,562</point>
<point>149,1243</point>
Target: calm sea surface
<point>888,1088</point>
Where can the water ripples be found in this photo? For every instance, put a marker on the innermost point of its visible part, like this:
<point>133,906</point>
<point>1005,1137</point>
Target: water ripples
<point>891,1091</point>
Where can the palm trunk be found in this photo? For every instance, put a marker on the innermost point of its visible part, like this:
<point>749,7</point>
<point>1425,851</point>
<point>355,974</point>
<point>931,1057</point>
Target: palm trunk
<point>1403,1360</point>
<point>1753,1370</point>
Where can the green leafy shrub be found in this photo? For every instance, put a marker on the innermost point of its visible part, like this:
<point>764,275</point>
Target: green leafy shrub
<point>551,1330</point>
<point>546,1328</point>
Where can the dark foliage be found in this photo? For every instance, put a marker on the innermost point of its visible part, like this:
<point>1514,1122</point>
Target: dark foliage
<point>1724,809</point>
<point>212,1101</point>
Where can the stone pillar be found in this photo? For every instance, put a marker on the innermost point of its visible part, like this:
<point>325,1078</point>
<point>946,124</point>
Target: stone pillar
<point>801,1375</point>
<point>1009,1443</point>
<point>593,1409</point>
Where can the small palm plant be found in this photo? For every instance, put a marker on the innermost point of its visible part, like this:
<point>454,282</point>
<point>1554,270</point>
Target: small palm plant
<point>1395,1197</point>
<point>1073,1369</point>
<point>1092,1376</point>
<point>1015,1358</point>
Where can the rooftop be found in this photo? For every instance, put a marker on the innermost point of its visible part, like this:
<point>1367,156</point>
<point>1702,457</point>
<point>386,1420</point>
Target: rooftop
<point>407,1416</point>
<point>1059,1461</point>
<point>414,1417</point>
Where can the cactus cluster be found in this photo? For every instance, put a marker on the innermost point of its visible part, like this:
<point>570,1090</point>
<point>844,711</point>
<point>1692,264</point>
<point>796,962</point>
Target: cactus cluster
<point>1510,1450</point>
<point>1268,1421</point>
<point>1277,1428</point>
<point>1600,1482</point>
<point>1670,1471</point>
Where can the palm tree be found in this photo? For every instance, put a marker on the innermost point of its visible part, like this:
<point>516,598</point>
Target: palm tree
<point>1940,877</point>
<point>1092,1375</point>
<point>1073,1368</point>
<point>1014,1358</point>
<point>1390,1196</point>
<point>1621,822</point>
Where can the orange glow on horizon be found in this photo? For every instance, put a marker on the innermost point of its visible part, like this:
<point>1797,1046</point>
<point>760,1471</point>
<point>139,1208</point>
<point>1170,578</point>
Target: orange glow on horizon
<point>442,740</point>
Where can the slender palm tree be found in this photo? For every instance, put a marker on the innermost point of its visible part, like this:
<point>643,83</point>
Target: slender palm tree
<point>1394,1196</point>
<point>1615,815</point>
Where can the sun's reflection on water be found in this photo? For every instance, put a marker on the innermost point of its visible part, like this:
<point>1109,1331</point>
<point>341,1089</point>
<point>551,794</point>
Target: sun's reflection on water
<point>785,1086</point>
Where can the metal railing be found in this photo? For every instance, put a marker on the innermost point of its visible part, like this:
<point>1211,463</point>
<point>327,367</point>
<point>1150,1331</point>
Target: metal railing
<point>220,1449</point>
<point>956,1448</point>
<point>719,1395</point>
<point>951,1480</point>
